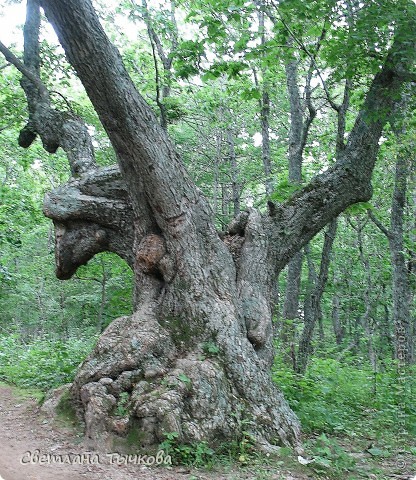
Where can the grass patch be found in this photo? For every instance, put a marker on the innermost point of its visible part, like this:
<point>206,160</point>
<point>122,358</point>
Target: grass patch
<point>22,393</point>
<point>344,399</point>
<point>351,415</point>
<point>43,363</point>
<point>65,410</point>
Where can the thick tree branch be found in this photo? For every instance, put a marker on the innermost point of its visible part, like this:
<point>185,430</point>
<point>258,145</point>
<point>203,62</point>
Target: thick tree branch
<point>143,147</point>
<point>309,210</point>
<point>55,128</point>
<point>91,214</point>
<point>167,207</point>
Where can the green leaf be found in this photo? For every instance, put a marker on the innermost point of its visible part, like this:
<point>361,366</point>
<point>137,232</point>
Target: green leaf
<point>184,378</point>
<point>358,208</point>
<point>252,93</point>
<point>376,452</point>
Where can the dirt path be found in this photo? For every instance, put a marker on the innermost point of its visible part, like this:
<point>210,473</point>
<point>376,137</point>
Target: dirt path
<point>24,429</point>
<point>27,437</point>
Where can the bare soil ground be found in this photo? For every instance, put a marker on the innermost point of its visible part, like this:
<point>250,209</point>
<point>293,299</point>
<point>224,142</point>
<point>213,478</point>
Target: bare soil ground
<point>27,436</point>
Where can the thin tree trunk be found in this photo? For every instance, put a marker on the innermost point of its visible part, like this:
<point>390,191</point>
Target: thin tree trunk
<point>386,325</point>
<point>264,104</point>
<point>290,310</point>
<point>216,184</point>
<point>401,289</point>
<point>368,304</point>
<point>403,329</point>
<point>314,313</point>
<point>101,309</point>
<point>162,81</point>
<point>336,320</point>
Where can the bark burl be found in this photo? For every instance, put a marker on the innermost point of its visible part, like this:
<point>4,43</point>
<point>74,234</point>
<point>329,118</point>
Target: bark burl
<point>190,291</point>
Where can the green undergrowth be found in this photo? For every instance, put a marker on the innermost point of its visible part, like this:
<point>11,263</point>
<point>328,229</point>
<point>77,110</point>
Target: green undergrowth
<point>355,421</point>
<point>349,399</point>
<point>44,362</point>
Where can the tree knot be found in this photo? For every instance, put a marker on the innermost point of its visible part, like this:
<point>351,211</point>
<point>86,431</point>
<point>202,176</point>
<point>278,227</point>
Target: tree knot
<point>150,251</point>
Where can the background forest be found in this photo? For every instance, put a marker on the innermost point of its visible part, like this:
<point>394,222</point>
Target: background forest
<point>235,83</point>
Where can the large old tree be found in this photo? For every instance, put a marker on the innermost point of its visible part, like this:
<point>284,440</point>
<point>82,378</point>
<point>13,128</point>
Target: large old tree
<point>190,290</point>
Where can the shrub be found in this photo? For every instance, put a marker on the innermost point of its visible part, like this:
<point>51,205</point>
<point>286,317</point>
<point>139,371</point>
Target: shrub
<point>44,363</point>
<point>334,397</point>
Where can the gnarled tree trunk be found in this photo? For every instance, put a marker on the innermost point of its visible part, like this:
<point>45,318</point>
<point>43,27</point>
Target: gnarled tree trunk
<point>191,292</point>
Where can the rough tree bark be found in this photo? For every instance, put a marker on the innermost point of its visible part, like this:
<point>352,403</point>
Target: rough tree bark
<point>190,290</point>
